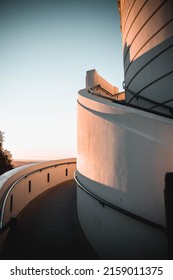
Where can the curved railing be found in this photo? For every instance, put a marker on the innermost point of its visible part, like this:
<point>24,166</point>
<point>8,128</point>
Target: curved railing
<point>156,104</point>
<point>127,213</point>
<point>150,110</point>
<point>104,90</point>
<point>17,189</point>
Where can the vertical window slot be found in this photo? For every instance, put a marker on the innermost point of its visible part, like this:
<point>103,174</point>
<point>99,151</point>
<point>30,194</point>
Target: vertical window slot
<point>66,172</point>
<point>48,177</point>
<point>11,203</point>
<point>29,187</point>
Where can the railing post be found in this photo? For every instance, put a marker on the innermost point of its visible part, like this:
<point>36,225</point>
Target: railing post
<point>168,195</point>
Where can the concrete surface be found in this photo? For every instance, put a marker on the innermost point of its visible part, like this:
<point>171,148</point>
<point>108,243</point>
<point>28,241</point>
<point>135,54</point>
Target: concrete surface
<point>48,228</point>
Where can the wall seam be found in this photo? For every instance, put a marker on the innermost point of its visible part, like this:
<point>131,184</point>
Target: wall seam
<point>146,22</point>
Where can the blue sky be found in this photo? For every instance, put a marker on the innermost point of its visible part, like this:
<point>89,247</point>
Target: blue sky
<point>46,48</point>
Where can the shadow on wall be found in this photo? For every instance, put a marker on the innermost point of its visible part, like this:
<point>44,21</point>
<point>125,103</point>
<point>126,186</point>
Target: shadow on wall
<point>105,192</point>
<point>149,75</point>
<point>119,153</point>
<point>115,235</point>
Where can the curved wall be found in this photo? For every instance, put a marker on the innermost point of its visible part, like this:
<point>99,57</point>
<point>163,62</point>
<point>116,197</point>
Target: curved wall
<point>114,235</point>
<point>147,31</point>
<point>21,185</point>
<point>123,155</point>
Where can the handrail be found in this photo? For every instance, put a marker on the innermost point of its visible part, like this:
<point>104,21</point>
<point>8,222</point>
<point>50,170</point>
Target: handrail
<point>124,103</point>
<point>107,92</point>
<point>162,104</point>
<point>18,180</point>
<point>156,104</point>
<point>122,211</point>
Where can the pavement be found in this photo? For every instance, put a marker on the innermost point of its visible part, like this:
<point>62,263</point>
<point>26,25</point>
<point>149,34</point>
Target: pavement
<point>48,229</point>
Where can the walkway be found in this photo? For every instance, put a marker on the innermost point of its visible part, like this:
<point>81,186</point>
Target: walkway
<point>48,228</point>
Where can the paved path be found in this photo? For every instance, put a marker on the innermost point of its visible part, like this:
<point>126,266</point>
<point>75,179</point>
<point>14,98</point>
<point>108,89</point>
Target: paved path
<point>48,228</point>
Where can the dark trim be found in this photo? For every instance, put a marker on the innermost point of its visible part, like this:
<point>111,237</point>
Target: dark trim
<point>146,42</point>
<point>146,22</point>
<point>153,82</point>
<point>49,166</point>
<point>145,65</point>
<point>104,90</point>
<point>127,15</point>
<point>124,39</point>
<point>122,211</point>
<point>123,103</point>
<point>157,104</point>
<point>162,104</point>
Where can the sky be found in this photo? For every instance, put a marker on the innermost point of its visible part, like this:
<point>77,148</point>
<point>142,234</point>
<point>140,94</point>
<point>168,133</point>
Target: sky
<point>46,47</point>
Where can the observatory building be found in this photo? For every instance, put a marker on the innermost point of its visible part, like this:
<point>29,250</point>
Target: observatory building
<point>125,143</point>
<point>124,162</point>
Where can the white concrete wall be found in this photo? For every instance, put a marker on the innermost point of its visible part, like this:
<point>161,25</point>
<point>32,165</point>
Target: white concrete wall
<point>123,155</point>
<point>147,31</point>
<point>116,236</point>
<point>94,79</point>
<point>39,183</point>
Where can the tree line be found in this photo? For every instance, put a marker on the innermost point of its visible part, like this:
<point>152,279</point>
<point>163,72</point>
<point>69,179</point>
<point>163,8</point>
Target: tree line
<point>6,161</point>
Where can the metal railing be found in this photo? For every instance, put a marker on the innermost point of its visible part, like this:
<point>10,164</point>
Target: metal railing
<point>155,103</point>
<point>128,104</point>
<point>104,90</point>
<point>11,187</point>
<point>120,210</point>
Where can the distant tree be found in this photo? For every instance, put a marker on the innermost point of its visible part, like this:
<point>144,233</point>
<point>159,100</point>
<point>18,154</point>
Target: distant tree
<point>5,157</point>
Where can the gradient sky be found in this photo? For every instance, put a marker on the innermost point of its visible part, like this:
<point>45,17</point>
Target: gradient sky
<point>46,47</point>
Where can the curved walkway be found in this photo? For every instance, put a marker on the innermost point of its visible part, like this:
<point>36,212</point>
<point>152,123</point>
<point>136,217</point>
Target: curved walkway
<point>48,228</point>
